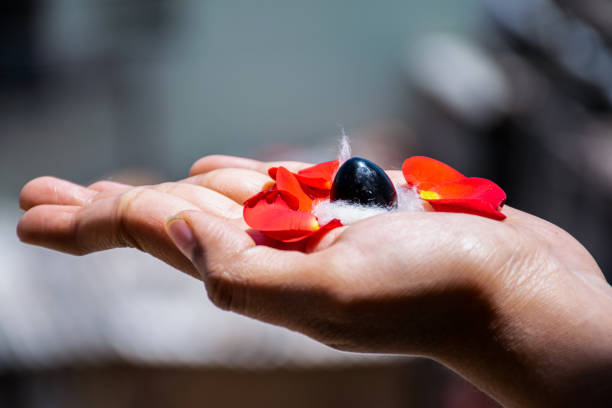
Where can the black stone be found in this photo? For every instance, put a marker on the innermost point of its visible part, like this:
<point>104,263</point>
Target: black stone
<point>360,181</point>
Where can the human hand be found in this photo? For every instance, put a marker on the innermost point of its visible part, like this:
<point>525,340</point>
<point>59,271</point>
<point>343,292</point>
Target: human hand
<point>486,298</point>
<point>70,218</point>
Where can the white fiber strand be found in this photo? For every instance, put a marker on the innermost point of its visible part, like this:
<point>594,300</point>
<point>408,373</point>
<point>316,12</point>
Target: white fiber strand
<point>344,148</point>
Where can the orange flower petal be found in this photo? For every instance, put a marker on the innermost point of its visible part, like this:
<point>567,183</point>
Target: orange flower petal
<point>315,193</point>
<point>316,180</point>
<point>470,195</point>
<point>318,236</point>
<point>275,214</point>
<point>319,176</point>
<point>291,236</point>
<point>468,206</point>
<point>287,181</point>
<point>473,188</point>
<point>279,199</point>
<point>426,173</point>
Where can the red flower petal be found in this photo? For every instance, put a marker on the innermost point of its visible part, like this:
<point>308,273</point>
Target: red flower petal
<point>319,176</point>
<point>316,180</point>
<point>426,173</point>
<point>473,188</point>
<point>275,214</point>
<point>470,195</point>
<point>318,236</point>
<point>287,181</point>
<point>468,206</point>
<point>286,200</point>
<point>315,193</point>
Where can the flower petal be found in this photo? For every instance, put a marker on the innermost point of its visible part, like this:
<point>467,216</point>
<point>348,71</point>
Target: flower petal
<point>316,193</point>
<point>316,238</point>
<point>473,188</point>
<point>468,206</point>
<point>319,176</point>
<point>287,181</point>
<point>470,195</point>
<point>281,199</point>
<point>275,214</point>
<point>426,173</point>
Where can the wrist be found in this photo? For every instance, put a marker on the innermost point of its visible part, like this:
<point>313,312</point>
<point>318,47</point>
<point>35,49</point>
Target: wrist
<point>548,340</point>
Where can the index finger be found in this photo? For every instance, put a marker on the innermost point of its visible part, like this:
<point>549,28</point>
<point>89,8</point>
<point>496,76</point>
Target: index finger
<point>219,161</point>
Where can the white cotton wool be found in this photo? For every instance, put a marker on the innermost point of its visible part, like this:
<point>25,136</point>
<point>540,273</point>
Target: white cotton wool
<point>347,213</point>
<point>408,199</point>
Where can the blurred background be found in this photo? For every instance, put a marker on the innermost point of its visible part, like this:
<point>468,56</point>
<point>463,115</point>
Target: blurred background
<point>517,91</point>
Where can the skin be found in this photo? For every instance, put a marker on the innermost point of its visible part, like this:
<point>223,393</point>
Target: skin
<point>517,307</point>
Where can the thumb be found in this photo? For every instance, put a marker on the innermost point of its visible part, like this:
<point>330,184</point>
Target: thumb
<point>280,287</point>
<point>215,247</point>
<point>204,238</point>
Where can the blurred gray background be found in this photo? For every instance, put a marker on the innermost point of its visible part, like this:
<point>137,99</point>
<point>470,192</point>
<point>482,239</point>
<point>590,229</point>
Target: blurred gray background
<point>92,87</point>
<point>520,92</point>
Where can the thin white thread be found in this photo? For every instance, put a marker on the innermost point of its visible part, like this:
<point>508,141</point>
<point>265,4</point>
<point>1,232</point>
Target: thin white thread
<point>344,148</point>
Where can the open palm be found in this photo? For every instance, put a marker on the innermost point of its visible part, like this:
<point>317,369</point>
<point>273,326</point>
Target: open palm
<point>436,284</point>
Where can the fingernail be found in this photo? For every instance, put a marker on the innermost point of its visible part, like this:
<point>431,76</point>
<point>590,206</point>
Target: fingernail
<point>182,235</point>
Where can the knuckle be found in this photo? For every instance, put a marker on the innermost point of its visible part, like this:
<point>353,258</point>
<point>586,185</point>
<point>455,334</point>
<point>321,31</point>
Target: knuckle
<point>220,292</point>
<point>224,288</point>
<point>122,216</point>
<point>167,187</point>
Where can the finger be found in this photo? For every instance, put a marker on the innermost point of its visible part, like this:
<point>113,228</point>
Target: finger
<point>205,199</point>
<point>107,185</point>
<point>214,162</point>
<point>50,226</point>
<point>236,184</point>
<point>51,190</point>
<point>133,219</point>
<point>282,287</point>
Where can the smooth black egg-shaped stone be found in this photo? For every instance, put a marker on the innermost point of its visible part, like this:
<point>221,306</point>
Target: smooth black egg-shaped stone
<point>360,181</point>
